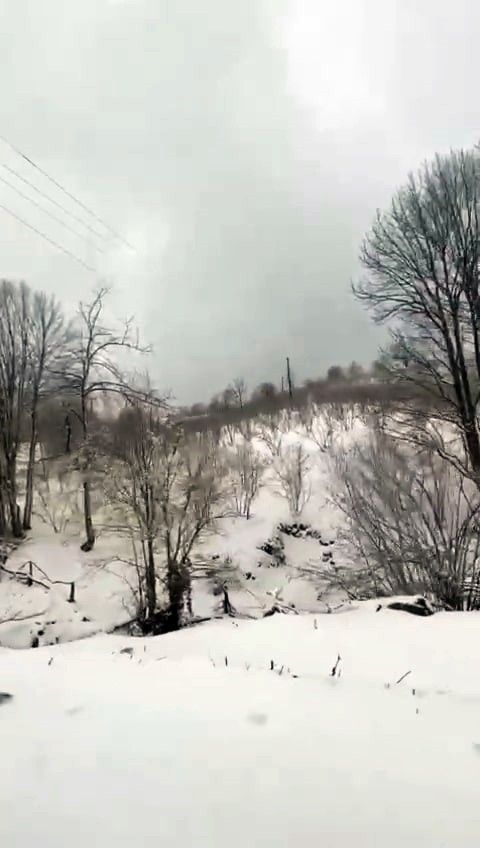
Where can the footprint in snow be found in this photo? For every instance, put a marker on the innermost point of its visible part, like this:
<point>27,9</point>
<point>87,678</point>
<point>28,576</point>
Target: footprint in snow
<point>257,718</point>
<point>72,711</point>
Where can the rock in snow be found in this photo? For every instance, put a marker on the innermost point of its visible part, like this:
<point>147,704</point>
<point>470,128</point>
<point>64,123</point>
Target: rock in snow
<point>415,606</point>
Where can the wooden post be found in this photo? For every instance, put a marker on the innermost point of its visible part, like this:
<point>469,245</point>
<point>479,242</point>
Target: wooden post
<point>71,599</point>
<point>289,379</point>
<point>227,607</point>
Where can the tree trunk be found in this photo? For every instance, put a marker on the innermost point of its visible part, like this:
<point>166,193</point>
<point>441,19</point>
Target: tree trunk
<point>3,517</point>
<point>151,580</point>
<point>175,586</point>
<point>189,598</point>
<point>13,508</point>
<point>87,511</point>
<point>3,506</point>
<point>27,512</point>
<point>473,448</point>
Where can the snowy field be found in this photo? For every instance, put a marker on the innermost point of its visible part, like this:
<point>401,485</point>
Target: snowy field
<point>191,739</point>
<point>356,728</point>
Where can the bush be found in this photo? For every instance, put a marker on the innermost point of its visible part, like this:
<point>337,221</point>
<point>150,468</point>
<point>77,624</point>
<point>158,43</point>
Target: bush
<point>292,468</point>
<point>247,468</point>
<point>414,522</point>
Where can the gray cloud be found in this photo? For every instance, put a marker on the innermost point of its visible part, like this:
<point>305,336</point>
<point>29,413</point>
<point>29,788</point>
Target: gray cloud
<point>244,147</point>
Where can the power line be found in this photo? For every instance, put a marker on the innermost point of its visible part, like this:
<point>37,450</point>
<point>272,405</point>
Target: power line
<point>65,191</point>
<point>50,214</point>
<point>47,238</point>
<point>55,202</point>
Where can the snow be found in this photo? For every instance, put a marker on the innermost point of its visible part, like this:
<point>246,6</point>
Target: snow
<point>168,744</point>
<point>103,593</point>
<point>100,590</point>
<point>235,732</point>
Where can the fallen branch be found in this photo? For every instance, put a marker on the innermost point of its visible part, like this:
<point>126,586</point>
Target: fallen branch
<point>24,578</point>
<point>17,617</point>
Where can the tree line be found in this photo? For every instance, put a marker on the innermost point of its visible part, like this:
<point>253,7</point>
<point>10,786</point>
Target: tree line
<point>49,362</point>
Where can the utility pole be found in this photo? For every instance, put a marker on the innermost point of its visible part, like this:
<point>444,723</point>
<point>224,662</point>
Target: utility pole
<point>289,379</point>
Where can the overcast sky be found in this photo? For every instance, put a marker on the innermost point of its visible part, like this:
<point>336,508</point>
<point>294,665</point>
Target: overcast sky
<point>242,146</point>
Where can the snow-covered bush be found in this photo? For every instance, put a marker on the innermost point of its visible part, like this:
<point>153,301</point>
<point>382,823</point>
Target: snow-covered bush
<point>292,468</point>
<point>246,473</point>
<point>414,521</point>
<point>56,500</point>
<point>270,433</point>
<point>343,414</point>
<point>319,424</point>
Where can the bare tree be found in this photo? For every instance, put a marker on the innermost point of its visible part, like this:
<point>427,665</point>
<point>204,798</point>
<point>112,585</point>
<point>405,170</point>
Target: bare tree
<point>138,486</point>
<point>265,391</point>
<point>14,386</point>
<point>292,469</point>
<point>246,473</point>
<point>422,259</point>
<point>136,605</point>
<point>224,406</point>
<point>336,374</point>
<point>239,388</point>
<point>33,337</point>
<point>270,434</point>
<point>96,369</point>
<point>413,523</point>
<point>192,500</point>
<point>318,423</point>
<point>48,338</point>
<point>56,501</point>
<point>171,484</point>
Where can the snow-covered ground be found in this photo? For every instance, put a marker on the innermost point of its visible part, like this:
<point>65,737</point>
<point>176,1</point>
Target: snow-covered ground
<point>191,739</point>
<point>103,583</point>
<point>354,728</point>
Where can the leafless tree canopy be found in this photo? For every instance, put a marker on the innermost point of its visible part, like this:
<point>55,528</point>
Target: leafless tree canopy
<point>414,521</point>
<point>422,263</point>
<point>292,467</point>
<point>33,338</point>
<point>172,486</point>
<point>96,369</point>
<point>246,473</point>
<point>14,374</point>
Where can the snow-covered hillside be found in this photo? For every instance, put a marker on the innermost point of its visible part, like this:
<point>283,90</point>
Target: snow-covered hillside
<point>257,578</point>
<point>191,739</point>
